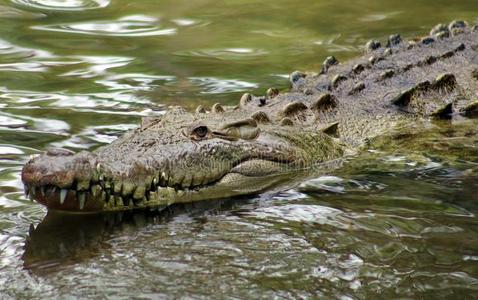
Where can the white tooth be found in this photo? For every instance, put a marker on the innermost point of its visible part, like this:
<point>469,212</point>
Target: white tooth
<point>163,174</point>
<point>98,167</point>
<point>94,190</point>
<point>33,190</point>
<point>63,193</point>
<point>81,199</point>
<point>155,181</point>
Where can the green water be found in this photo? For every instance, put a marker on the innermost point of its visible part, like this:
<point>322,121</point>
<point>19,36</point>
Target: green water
<point>396,223</point>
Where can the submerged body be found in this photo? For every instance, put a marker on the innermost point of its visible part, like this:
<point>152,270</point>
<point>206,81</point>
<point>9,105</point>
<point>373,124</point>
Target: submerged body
<point>229,151</point>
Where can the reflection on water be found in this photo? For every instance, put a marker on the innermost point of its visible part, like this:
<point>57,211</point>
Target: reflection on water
<point>217,86</point>
<point>398,221</point>
<point>137,26</point>
<point>61,239</point>
<point>226,54</point>
<point>67,5</point>
<point>359,243</point>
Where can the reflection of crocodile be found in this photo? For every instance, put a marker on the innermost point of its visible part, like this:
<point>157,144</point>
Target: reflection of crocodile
<point>227,151</point>
<point>61,239</point>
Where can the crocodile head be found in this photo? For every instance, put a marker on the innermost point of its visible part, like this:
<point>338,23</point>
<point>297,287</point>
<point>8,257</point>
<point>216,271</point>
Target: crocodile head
<point>179,157</point>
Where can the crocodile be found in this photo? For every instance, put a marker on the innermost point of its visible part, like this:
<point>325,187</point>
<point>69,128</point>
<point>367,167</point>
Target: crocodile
<point>265,140</point>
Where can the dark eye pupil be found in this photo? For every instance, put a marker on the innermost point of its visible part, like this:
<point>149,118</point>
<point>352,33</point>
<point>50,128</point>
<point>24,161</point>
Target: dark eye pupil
<point>200,131</point>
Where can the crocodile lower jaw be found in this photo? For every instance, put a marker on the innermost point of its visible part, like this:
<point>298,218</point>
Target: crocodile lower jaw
<point>98,199</point>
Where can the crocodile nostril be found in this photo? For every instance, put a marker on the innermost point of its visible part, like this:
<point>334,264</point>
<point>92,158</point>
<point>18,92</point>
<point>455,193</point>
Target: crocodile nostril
<point>59,152</point>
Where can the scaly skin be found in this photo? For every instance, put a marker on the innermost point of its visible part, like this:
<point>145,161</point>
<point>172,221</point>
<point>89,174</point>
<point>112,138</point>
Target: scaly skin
<point>262,142</point>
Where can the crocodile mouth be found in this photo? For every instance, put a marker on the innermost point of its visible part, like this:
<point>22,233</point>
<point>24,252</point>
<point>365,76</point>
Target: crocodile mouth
<point>101,197</point>
<point>110,194</point>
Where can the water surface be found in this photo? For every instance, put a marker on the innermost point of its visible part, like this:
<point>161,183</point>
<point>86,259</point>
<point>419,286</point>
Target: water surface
<point>398,221</point>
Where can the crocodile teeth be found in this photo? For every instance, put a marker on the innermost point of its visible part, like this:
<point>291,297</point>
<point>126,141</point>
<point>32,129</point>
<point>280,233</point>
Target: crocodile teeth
<point>81,200</point>
<point>128,188</point>
<point>139,192</point>
<point>117,187</point>
<point>63,193</point>
<point>164,179</point>
<point>95,189</point>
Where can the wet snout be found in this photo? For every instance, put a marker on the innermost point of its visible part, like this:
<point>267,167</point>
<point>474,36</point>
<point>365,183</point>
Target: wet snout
<point>60,179</point>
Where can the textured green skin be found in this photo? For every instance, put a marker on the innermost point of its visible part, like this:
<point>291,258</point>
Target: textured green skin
<point>159,163</point>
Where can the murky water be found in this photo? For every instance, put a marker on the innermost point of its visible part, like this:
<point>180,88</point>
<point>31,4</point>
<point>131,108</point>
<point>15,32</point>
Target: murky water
<point>394,222</point>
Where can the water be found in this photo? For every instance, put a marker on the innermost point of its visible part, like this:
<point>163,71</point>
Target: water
<point>398,221</point>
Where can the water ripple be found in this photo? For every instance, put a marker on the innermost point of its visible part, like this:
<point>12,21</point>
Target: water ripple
<point>299,213</point>
<point>98,65</point>
<point>190,22</point>
<point>213,85</point>
<point>225,54</point>
<point>138,82</point>
<point>129,26</point>
<point>9,150</point>
<point>11,122</point>
<point>332,45</point>
<point>14,52</point>
<point>13,13</point>
<point>23,67</point>
<point>379,16</point>
<point>67,5</point>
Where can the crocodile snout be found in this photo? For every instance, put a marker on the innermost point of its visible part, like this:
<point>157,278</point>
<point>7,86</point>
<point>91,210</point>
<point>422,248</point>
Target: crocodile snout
<point>61,179</point>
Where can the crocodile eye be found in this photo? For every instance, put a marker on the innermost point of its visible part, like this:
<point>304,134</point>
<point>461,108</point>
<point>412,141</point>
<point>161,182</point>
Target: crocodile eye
<point>199,132</point>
